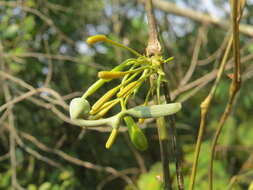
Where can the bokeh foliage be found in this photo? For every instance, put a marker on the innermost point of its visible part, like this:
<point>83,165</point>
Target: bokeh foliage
<point>34,30</point>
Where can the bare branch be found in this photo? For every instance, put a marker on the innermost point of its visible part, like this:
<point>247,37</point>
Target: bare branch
<point>172,8</point>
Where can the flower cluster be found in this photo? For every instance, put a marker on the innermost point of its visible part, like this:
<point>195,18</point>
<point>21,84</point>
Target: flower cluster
<point>132,74</point>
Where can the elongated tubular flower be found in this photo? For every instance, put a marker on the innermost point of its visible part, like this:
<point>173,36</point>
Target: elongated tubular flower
<point>127,88</point>
<point>95,39</point>
<point>105,109</point>
<point>111,74</point>
<point>119,74</point>
<point>104,106</point>
<point>111,138</point>
<point>93,88</point>
<point>102,38</point>
<point>104,98</point>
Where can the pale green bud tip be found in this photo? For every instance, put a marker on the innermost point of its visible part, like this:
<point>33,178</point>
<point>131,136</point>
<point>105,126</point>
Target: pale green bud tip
<point>111,138</point>
<point>94,39</point>
<point>79,108</point>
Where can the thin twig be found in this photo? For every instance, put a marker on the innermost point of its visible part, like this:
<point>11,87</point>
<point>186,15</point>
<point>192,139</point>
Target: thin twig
<point>52,56</point>
<point>76,161</point>
<point>207,78</point>
<point>204,111</point>
<point>5,157</point>
<point>12,142</point>
<point>172,8</point>
<point>10,116</point>
<point>195,56</point>
<point>112,177</point>
<point>235,85</point>
<point>50,66</point>
<point>29,94</point>
<point>60,100</point>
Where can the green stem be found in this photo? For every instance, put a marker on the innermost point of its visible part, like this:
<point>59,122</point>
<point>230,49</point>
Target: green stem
<point>93,88</point>
<point>122,46</point>
<point>163,141</point>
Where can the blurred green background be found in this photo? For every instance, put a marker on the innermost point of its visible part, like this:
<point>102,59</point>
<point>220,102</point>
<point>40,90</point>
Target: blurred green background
<point>42,43</point>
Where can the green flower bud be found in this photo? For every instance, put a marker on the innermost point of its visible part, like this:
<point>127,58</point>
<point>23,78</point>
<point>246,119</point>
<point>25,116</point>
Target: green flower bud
<point>137,137</point>
<point>154,111</point>
<point>79,108</point>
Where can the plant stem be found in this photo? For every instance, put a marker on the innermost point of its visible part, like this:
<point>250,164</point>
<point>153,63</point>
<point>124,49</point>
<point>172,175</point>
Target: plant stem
<point>154,47</point>
<point>163,140</point>
<point>173,133</point>
<point>235,85</point>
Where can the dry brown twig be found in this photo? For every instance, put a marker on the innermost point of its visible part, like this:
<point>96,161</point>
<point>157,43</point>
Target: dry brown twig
<point>204,111</point>
<point>237,8</point>
<point>112,177</point>
<point>12,143</point>
<point>5,157</point>
<point>58,99</point>
<point>207,78</point>
<point>34,153</point>
<point>25,96</point>
<point>50,65</point>
<point>75,160</point>
<point>201,32</point>
<point>50,56</point>
<point>215,54</point>
<point>172,8</point>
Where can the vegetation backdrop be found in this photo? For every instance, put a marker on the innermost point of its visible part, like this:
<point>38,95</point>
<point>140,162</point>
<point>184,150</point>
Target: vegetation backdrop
<point>45,62</point>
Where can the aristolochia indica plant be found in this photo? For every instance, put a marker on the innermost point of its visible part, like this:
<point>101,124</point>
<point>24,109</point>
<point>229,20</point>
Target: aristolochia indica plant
<point>132,73</point>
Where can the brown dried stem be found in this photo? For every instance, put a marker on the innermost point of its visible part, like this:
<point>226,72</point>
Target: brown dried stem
<point>235,85</point>
<point>154,47</point>
<point>204,111</point>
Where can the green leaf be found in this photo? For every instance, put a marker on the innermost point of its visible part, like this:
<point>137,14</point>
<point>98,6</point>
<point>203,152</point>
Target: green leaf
<point>45,186</point>
<point>11,31</point>
<point>32,187</point>
<point>29,23</point>
<point>149,181</point>
<point>245,133</point>
<point>65,175</point>
<point>228,134</point>
<point>5,179</point>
